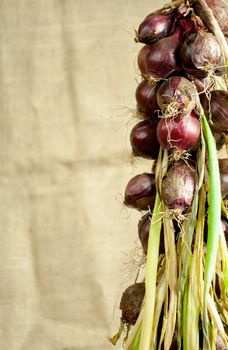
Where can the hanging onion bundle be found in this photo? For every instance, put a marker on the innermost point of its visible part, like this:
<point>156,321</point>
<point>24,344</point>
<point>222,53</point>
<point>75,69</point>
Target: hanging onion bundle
<point>181,302</point>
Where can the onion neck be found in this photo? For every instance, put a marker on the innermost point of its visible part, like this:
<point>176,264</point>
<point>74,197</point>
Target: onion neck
<point>177,34</point>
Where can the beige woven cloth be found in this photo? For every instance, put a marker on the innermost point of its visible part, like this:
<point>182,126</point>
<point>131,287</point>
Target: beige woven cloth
<point>67,80</point>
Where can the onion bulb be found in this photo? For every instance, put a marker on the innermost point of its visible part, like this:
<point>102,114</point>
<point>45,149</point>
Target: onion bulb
<point>178,186</point>
<point>144,140</point>
<point>140,192</point>
<point>216,109</point>
<point>201,54</point>
<point>176,94</point>
<point>163,57</point>
<point>179,134</point>
<point>220,11</point>
<point>131,302</point>
<point>146,98</point>
<point>154,27</point>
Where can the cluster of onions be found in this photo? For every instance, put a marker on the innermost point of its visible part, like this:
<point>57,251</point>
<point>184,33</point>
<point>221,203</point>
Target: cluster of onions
<point>178,101</point>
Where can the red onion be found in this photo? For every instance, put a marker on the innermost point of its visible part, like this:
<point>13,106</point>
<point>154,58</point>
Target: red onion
<point>201,54</point>
<point>131,302</point>
<point>176,94</point>
<point>181,133</point>
<point>163,57</point>
<point>154,27</point>
<point>144,140</point>
<point>142,56</point>
<point>178,186</point>
<point>140,192</point>
<point>144,230</point>
<point>202,84</point>
<point>216,109</point>
<point>146,97</point>
<point>220,11</point>
<point>188,25</point>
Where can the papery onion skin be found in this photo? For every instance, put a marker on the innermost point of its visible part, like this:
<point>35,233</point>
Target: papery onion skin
<point>140,192</point>
<point>146,98</point>
<point>143,233</point>
<point>216,110</point>
<point>201,54</point>
<point>176,93</point>
<point>202,84</point>
<point>131,302</point>
<point>181,133</point>
<point>154,27</point>
<point>178,186</point>
<point>220,11</point>
<point>144,140</point>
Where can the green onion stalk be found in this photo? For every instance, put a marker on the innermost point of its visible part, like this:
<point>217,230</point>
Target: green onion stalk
<point>214,225</point>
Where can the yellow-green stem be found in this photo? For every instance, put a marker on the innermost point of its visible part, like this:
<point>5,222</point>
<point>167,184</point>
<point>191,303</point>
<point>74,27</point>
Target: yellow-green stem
<point>151,275</point>
<point>214,216</point>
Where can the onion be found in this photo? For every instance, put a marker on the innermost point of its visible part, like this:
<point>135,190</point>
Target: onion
<point>201,54</point>
<point>176,94</point>
<point>178,186</point>
<point>140,192</point>
<point>144,140</point>
<point>142,56</point>
<point>131,302</point>
<point>179,134</point>
<point>144,230</point>
<point>223,166</point>
<point>220,11</point>
<point>154,27</point>
<point>163,57</point>
<point>146,98</point>
<point>188,25</point>
<point>216,110</point>
<point>202,84</point>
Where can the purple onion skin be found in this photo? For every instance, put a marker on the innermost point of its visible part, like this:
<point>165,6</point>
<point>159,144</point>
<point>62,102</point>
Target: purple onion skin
<point>202,84</point>
<point>146,98</point>
<point>144,140</point>
<point>163,57</point>
<point>223,166</point>
<point>154,27</point>
<point>143,232</point>
<point>142,57</point>
<point>188,25</point>
<point>181,133</point>
<point>217,110</point>
<point>178,186</point>
<point>140,192</point>
<point>201,53</point>
<point>131,302</point>
<point>220,11</point>
<point>179,91</point>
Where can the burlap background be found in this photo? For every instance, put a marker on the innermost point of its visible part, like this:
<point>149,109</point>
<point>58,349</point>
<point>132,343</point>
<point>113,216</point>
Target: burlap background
<point>67,76</point>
